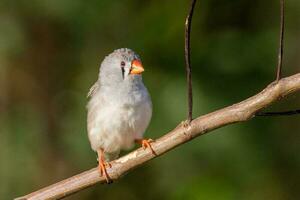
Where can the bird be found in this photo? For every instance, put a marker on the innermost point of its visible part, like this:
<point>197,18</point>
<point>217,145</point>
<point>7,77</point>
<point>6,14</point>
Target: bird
<point>119,109</point>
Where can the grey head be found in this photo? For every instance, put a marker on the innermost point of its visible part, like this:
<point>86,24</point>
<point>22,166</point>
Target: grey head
<point>120,67</point>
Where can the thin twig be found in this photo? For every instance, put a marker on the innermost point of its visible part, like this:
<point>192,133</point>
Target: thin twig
<point>281,42</point>
<point>279,65</point>
<point>283,113</point>
<point>239,112</point>
<point>187,51</point>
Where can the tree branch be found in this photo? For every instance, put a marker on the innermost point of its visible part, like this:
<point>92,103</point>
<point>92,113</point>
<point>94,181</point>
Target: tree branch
<point>281,41</point>
<point>187,51</point>
<point>279,66</point>
<point>282,113</point>
<point>239,112</point>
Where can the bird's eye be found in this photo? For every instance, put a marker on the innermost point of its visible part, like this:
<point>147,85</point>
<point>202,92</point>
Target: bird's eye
<point>122,64</point>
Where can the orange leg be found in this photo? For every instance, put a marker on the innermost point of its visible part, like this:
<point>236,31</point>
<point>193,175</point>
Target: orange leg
<point>102,165</point>
<point>146,143</point>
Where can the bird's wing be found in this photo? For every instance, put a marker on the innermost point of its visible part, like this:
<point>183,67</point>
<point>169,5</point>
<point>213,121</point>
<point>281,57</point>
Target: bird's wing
<point>93,89</point>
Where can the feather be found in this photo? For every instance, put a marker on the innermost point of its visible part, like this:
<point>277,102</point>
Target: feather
<point>93,89</point>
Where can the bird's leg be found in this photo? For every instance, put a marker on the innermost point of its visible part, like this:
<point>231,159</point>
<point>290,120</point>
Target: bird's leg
<point>146,143</point>
<point>102,165</point>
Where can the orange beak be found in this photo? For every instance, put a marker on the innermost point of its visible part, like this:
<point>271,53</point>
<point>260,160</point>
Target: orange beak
<point>136,67</point>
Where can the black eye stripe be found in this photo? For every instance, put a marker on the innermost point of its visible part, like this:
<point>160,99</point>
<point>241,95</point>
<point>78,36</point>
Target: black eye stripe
<point>122,68</point>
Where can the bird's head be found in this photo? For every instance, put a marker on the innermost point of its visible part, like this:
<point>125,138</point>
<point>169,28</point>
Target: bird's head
<point>119,66</point>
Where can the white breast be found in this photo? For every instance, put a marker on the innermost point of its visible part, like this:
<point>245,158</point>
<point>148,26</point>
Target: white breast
<point>114,123</point>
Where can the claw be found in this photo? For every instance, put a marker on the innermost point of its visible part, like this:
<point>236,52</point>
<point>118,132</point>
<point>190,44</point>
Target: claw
<point>146,143</point>
<point>102,168</point>
<point>102,165</point>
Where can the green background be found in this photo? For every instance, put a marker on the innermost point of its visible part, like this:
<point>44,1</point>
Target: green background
<point>50,52</point>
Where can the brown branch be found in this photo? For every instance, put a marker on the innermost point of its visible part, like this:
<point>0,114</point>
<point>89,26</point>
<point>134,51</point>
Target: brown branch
<point>281,42</point>
<point>279,66</point>
<point>282,113</point>
<point>187,51</point>
<point>239,112</point>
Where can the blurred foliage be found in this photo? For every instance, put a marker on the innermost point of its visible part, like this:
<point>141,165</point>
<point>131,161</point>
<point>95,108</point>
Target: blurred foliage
<point>50,52</point>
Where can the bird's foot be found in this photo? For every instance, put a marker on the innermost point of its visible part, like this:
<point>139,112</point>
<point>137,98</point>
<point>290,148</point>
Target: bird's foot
<point>146,143</point>
<point>102,165</point>
<point>102,168</point>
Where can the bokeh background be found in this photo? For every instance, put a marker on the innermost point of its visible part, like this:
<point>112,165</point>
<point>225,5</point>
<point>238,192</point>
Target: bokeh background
<point>50,51</point>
